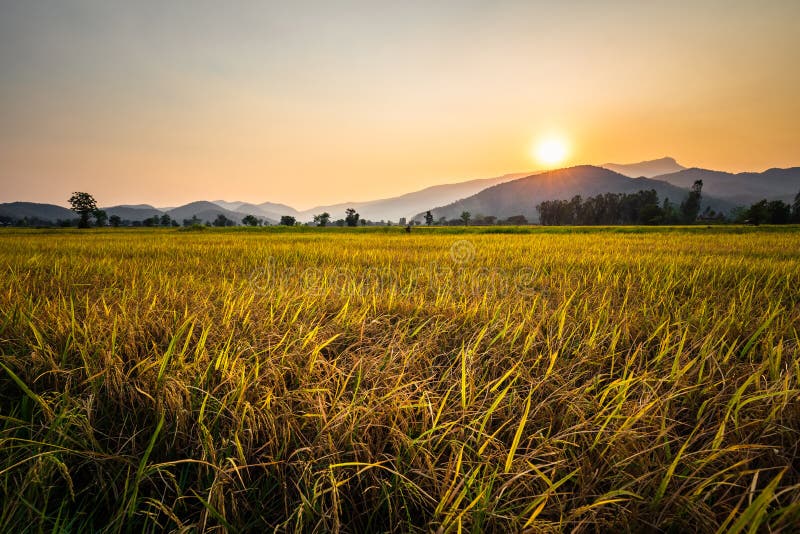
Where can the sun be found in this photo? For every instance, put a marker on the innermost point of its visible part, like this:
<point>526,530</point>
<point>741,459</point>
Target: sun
<point>551,151</point>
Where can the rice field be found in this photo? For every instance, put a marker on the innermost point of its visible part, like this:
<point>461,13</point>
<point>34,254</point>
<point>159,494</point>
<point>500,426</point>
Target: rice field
<point>370,381</point>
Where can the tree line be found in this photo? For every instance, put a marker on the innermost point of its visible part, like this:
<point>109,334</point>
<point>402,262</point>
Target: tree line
<point>642,207</point>
<point>645,208</point>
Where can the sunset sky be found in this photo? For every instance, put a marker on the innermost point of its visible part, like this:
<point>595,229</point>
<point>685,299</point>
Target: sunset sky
<point>320,102</point>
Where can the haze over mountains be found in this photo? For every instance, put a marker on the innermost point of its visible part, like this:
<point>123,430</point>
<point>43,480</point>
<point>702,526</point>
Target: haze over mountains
<point>269,210</point>
<point>741,188</point>
<point>408,205</point>
<point>35,211</point>
<point>647,169</point>
<point>501,196</point>
<point>389,209</point>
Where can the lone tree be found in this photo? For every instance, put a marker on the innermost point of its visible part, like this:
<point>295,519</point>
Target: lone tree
<point>351,217</point>
<point>166,220</point>
<point>322,219</point>
<point>287,220</point>
<point>465,216</point>
<point>690,207</point>
<point>84,205</point>
<point>115,221</point>
<point>250,220</point>
<point>428,218</point>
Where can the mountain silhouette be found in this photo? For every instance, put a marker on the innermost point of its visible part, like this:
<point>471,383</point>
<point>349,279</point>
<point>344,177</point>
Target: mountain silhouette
<point>409,204</point>
<point>647,169</point>
<point>137,212</point>
<point>521,196</point>
<point>268,210</point>
<point>744,188</point>
<point>209,211</point>
<point>35,210</point>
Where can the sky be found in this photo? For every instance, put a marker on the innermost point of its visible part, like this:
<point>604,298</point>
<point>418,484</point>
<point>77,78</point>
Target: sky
<point>310,103</point>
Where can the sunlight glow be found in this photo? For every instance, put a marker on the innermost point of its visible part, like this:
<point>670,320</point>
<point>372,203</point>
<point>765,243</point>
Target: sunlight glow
<point>551,151</point>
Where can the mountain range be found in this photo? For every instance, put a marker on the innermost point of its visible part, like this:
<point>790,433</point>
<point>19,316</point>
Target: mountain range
<point>742,188</point>
<point>520,197</point>
<point>501,196</point>
<point>408,205</point>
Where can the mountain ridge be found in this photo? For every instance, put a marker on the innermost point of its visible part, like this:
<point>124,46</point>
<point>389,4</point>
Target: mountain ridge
<point>648,168</point>
<point>409,204</point>
<point>742,188</point>
<point>389,208</point>
<point>521,196</point>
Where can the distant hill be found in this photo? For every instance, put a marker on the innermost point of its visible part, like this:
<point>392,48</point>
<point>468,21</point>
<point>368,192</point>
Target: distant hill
<point>208,211</point>
<point>205,211</point>
<point>271,209</point>
<point>268,210</point>
<point>521,196</point>
<point>408,205</point>
<point>137,212</point>
<point>648,169</point>
<point>232,206</point>
<point>34,210</point>
<point>743,188</point>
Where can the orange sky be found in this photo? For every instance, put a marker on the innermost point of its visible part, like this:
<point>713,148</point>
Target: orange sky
<point>314,103</point>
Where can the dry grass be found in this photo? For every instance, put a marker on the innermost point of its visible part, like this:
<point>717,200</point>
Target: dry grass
<point>359,381</point>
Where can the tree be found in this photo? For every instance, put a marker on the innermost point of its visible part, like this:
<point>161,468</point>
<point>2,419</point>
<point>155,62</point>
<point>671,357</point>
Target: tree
<point>428,218</point>
<point>115,221</point>
<point>194,221</point>
<point>288,220</point>
<point>351,217</point>
<point>779,212</point>
<point>758,213</point>
<point>796,209</point>
<point>84,205</point>
<point>250,220</point>
<point>690,207</point>
<point>670,214</point>
<point>516,220</point>
<point>767,212</point>
<point>322,219</point>
<point>465,215</point>
<point>221,220</point>
<point>165,220</point>
<point>100,217</point>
